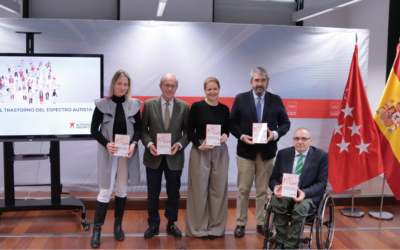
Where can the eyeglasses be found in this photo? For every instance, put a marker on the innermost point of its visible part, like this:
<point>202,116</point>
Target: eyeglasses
<point>169,86</point>
<point>302,139</point>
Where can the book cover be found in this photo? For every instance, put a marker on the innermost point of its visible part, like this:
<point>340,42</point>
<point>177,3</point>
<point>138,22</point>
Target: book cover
<point>164,144</point>
<point>260,133</point>
<point>122,142</point>
<point>213,135</point>
<point>290,182</point>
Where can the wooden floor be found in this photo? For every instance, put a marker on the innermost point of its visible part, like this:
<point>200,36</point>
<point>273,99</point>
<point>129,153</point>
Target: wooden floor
<point>62,230</point>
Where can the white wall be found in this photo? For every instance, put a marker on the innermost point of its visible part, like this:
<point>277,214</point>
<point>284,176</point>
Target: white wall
<point>367,14</point>
<point>6,14</point>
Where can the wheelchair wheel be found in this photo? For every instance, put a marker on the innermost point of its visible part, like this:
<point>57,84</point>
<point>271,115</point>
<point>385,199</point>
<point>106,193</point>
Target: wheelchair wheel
<point>326,224</point>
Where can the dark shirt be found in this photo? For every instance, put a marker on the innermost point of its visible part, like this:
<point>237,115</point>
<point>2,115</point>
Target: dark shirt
<point>201,114</point>
<point>119,123</point>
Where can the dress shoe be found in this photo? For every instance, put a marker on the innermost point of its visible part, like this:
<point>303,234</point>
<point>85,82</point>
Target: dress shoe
<point>278,246</point>
<point>150,232</point>
<point>289,247</point>
<point>260,229</point>
<point>174,231</point>
<point>239,231</point>
<point>203,237</point>
<point>212,237</point>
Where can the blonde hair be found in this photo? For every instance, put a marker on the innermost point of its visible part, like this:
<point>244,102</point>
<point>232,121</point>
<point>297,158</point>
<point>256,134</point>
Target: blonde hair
<point>211,79</point>
<point>120,73</point>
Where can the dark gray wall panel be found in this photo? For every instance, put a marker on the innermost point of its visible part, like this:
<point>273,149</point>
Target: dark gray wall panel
<point>74,9</point>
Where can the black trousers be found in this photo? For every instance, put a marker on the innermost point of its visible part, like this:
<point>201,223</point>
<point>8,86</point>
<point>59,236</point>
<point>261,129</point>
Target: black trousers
<point>154,178</point>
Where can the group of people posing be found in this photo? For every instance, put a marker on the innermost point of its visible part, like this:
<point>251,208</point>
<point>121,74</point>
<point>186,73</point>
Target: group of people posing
<point>207,195</point>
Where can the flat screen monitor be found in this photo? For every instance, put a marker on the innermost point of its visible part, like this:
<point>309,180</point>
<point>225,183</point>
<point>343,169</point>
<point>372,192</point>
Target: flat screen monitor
<point>48,96</point>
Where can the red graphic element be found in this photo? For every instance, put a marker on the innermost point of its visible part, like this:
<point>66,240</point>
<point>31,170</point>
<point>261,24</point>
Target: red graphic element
<point>355,156</point>
<point>292,106</point>
<point>310,108</point>
<point>335,107</point>
<point>72,125</point>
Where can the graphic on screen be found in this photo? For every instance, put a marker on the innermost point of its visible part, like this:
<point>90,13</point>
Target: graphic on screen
<point>47,95</point>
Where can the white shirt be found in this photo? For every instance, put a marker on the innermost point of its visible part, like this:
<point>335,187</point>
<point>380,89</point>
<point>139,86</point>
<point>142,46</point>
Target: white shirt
<point>170,107</point>
<point>296,159</point>
<point>262,109</point>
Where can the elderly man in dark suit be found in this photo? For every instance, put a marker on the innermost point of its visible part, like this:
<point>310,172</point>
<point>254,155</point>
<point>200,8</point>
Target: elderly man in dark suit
<point>311,164</point>
<point>256,161</point>
<point>164,114</point>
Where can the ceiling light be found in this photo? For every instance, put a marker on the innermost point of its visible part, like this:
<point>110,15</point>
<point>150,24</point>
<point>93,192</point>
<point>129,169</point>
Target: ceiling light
<point>10,6</point>
<point>161,7</point>
<point>320,8</point>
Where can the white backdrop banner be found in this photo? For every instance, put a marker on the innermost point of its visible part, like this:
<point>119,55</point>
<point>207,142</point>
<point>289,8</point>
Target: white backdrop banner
<point>309,67</point>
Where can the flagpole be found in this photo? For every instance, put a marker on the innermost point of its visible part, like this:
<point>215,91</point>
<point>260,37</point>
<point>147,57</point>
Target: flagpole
<point>352,212</point>
<point>379,214</point>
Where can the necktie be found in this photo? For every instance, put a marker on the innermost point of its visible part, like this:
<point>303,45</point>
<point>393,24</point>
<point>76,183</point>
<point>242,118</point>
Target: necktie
<point>299,165</point>
<point>258,109</point>
<point>167,117</point>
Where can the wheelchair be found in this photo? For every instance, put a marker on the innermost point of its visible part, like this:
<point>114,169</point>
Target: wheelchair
<point>322,219</point>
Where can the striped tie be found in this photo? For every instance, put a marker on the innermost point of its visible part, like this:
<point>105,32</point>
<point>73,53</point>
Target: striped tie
<point>299,165</point>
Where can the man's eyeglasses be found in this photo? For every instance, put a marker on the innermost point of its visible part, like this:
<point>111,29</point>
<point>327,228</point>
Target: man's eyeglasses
<point>169,86</point>
<point>302,139</point>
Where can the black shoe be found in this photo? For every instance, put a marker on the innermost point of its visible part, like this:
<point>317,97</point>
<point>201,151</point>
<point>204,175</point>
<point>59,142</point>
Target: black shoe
<point>203,237</point>
<point>239,231</point>
<point>260,229</point>
<point>278,246</point>
<point>289,247</point>
<point>118,214</point>
<point>150,232</point>
<point>212,237</point>
<point>99,216</point>
<point>174,231</point>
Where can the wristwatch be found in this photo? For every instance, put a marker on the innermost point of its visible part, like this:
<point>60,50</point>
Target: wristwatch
<point>135,142</point>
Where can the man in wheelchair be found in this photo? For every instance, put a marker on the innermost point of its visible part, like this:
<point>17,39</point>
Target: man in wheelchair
<point>311,164</point>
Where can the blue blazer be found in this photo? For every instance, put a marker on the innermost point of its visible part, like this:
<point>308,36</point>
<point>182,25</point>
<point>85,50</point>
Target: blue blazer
<point>243,115</point>
<point>314,175</point>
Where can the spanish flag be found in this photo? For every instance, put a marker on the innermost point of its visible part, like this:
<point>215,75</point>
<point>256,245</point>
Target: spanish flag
<point>387,119</point>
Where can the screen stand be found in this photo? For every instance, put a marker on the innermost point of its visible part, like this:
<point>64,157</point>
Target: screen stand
<point>55,203</point>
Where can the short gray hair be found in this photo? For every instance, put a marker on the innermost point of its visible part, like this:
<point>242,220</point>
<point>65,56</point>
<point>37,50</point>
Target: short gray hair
<point>303,129</point>
<point>168,74</point>
<point>259,70</point>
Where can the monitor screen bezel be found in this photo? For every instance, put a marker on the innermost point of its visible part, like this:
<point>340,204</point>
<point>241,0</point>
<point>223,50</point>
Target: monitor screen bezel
<point>68,137</point>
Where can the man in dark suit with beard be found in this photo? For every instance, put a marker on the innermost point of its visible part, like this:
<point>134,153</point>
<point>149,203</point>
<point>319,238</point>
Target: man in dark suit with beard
<point>256,161</point>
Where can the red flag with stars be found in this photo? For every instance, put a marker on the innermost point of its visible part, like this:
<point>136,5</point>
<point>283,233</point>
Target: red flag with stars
<point>354,153</point>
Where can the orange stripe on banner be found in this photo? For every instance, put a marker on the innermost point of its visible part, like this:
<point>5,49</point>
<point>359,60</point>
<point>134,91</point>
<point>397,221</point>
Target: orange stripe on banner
<point>296,108</point>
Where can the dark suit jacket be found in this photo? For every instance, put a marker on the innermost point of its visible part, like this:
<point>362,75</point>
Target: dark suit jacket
<point>314,175</point>
<point>243,115</point>
<point>153,123</point>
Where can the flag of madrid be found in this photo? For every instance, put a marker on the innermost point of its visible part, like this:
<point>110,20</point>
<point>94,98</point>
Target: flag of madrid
<point>354,152</point>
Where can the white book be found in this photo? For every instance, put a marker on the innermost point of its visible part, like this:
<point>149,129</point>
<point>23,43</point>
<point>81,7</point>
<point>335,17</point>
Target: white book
<point>290,182</point>
<point>164,144</point>
<point>260,133</point>
<point>213,135</point>
<point>122,142</point>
